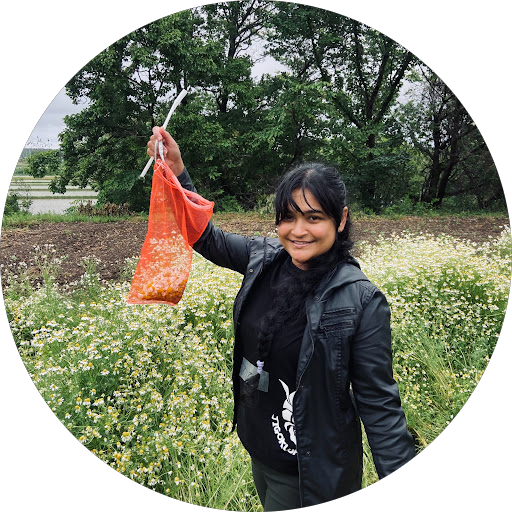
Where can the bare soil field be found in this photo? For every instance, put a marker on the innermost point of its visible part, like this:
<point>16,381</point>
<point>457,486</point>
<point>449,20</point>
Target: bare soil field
<point>111,243</point>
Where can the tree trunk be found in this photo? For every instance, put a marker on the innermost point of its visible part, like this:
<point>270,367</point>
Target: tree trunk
<point>430,186</point>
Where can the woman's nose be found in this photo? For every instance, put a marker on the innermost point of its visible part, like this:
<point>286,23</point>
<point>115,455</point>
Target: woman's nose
<point>299,228</point>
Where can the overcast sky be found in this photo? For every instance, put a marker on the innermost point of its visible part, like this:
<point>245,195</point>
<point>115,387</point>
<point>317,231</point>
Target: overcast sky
<point>46,131</point>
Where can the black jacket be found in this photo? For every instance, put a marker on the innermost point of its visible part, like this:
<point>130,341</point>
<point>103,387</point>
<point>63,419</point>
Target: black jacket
<point>344,371</point>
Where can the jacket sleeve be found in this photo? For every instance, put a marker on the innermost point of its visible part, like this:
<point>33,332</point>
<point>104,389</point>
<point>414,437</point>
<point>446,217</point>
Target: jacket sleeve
<point>375,390</point>
<point>224,249</point>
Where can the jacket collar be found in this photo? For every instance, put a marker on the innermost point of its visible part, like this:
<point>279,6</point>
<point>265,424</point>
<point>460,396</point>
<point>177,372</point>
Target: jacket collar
<point>344,273</point>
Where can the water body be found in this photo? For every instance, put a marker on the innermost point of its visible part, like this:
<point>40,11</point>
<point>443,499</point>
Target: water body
<point>70,193</point>
<point>52,205</point>
<point>46,201</point>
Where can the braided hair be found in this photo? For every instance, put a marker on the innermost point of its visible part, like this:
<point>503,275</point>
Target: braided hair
<point>325,184</point>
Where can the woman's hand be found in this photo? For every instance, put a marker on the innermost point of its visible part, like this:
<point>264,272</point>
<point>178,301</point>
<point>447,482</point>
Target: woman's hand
<point>172,152</point>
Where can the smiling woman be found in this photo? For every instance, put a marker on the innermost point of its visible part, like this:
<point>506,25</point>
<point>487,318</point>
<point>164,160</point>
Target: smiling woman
<point>306,234</point>
<point>308,227</point>
<point>312,340</point>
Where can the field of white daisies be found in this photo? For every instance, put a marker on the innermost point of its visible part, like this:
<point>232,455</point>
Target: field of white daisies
<point>148,388</point>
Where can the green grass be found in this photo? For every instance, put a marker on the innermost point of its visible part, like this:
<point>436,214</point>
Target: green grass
<point>148,389</point>
<point>26,219</point>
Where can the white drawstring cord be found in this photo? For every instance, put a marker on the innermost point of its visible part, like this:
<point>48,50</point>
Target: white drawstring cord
<point>177,101</point>
<point>160,145</point>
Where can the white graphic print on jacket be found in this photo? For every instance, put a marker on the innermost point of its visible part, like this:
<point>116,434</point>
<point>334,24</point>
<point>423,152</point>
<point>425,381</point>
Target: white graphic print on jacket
<point>289,424</point>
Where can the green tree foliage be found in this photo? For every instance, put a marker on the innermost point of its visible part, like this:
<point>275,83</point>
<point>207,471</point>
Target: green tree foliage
<point>128,89</point>
<point>457,161</point>
<point>361,72</point>
<point>44,163</point>
<point>337,101</point>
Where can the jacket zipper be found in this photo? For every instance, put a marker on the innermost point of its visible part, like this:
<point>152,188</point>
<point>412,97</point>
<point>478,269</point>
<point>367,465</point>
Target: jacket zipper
<point>301,492</point>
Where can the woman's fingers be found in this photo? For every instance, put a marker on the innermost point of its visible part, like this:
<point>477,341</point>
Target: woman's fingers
<point>157,136</point>
<point>157,133</point>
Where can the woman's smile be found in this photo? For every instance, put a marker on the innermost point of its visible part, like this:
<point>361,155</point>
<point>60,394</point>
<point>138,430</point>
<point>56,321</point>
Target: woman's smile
<point>298,243</point>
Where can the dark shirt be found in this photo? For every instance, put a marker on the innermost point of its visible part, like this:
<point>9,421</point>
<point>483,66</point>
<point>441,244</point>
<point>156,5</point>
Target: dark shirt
<point>265,425</point>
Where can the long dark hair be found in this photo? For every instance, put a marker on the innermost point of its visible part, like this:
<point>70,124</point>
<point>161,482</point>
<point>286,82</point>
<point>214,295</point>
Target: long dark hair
<point>325,184</point>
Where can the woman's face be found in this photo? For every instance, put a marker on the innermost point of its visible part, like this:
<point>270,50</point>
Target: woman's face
<point>310,232</point>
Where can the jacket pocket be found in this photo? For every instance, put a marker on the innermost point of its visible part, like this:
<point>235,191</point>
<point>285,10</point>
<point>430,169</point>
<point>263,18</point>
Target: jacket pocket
<point>341,319</point>
<point>337,327</point>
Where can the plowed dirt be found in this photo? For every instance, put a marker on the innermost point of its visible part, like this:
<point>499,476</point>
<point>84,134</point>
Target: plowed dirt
<point>111,243</point>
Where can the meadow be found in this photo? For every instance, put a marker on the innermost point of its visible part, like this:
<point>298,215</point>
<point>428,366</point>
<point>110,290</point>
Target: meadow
<point>148,388</point>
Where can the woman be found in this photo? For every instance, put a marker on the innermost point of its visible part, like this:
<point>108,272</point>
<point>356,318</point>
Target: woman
<point>312,349</point>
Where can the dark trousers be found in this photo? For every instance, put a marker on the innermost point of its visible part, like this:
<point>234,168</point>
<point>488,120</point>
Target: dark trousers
<point>277,491</point>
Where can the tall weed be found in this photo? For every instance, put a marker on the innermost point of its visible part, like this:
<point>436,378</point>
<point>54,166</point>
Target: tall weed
<point>148,388</point>
<point>448,299</point>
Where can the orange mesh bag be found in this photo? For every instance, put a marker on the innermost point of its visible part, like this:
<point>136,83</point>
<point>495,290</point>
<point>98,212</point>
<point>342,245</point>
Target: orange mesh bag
<point>177,218</point>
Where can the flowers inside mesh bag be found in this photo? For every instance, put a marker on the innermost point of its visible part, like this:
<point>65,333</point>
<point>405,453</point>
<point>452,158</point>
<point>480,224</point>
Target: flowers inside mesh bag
<point>177,218</point>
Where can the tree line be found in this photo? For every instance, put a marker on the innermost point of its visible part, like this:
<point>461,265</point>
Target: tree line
<point>348,96</point>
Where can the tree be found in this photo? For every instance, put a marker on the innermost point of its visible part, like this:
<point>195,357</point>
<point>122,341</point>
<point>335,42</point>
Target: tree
<point>337,102</point>
<point>457,159</point>
<point>127,88</point>
<point>220,145</point>
<point>294,123</point>
<point>478,176</point>
<point>361,71</point>
<point>44,163</point>
<point>236,25</point>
